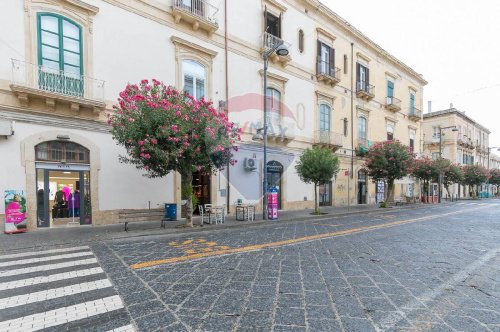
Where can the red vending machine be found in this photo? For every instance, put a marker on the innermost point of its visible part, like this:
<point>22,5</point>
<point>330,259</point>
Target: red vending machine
<point>272,204</point>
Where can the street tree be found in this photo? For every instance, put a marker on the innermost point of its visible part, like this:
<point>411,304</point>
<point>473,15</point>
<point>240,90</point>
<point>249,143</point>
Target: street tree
<point>388,161</point>
<point>425,170</point>
<point>495,178</point>
<point>452,174</point>
<point>164,130</point>
<point>473,176</point>
<point>317,165</point>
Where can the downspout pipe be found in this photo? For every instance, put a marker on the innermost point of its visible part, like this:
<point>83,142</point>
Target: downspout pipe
<point>352,115</point>
<point>228,187</point>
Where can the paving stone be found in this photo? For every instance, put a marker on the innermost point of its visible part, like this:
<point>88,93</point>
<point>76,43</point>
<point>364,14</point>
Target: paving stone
<point>356,324</point>
<point>290,316</point>
<point>323,325</point>
<point>155,321</point>
<point>256,319</point>
<point>145,308</point>
<point>320,312</point>
<point>261,303</point>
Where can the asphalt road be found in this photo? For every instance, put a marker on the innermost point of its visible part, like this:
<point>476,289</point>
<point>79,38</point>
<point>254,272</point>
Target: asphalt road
<point>427,269</point>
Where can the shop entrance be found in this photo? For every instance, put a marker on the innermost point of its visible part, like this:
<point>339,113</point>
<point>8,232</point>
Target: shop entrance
<point>362,189</point>
<point>325,194</point>
<point>63,188</point>
<point>201,189</point>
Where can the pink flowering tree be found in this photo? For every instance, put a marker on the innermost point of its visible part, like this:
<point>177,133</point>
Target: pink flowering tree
<point>388,161</point>
<point>164,130</point>
<point>473,176</point>
<point>426,170</point>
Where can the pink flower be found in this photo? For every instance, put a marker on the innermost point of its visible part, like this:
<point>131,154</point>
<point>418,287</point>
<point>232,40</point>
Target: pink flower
<point>178,113</point>
<point>144,81</point>
<point>175,128</point>
<point>154,141</point>
<point>146,168</point>
<point>131,120</point>
<point>156,82</point>
<point>140,143</point>
<point>139,97</point>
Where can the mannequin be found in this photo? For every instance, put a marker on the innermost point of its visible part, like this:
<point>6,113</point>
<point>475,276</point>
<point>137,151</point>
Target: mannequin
<point>74,203</point>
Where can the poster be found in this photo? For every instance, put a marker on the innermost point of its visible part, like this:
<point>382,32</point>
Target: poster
<point>15,211</point>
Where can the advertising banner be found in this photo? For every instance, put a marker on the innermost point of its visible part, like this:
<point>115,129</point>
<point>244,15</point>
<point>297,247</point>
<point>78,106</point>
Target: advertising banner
<point>15,211</point>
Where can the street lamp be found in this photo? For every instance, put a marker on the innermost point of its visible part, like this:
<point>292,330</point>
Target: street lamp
<point>280,50</point>
<point>441,156</point>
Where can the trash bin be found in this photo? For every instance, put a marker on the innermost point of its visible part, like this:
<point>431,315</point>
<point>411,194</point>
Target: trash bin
<point>170,212</point>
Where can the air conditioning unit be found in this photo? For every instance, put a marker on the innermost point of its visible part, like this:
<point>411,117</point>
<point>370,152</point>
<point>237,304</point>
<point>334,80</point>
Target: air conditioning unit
<point>250,164</point>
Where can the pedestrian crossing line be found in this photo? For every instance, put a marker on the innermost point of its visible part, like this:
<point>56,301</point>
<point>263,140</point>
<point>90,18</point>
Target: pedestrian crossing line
<point>126,328</point>
<point>53,293</point>
<point>50,278</point>
<point>46,258</point>
<point>63,315</point>
<point>38,253</point>
<point>47,267</point>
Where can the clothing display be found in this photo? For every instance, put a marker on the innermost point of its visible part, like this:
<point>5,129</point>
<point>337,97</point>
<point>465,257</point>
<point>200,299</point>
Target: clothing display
<point>74,204</point>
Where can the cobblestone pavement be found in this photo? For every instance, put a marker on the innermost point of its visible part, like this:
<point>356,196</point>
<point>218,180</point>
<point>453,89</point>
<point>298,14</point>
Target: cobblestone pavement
<point>435,269</point>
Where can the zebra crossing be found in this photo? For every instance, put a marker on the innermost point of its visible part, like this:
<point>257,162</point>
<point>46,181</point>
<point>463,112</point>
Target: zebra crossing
<point>61,290</point>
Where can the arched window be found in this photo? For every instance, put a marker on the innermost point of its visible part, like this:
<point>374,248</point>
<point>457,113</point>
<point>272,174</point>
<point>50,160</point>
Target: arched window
<point>194,78</point>
<point>324,117</point>
<point>273,105</point>
<point>362,128</point>
<point>301,41</point>
<point>59,43</point>
<point>60,55</point>
<point>61,151</point>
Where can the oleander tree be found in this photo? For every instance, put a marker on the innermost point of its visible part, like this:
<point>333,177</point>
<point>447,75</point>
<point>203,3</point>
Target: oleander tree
<point>425,170</point>
<point>495,178</point>
<point>165,130</point>
<point>388,161</point>
<point>473,176</point>
<point>452,174</point>
<point>318,166</point>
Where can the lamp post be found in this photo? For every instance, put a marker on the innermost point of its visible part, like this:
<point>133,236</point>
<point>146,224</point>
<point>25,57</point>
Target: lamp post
<point>441,156</point>
<point>281,50</point>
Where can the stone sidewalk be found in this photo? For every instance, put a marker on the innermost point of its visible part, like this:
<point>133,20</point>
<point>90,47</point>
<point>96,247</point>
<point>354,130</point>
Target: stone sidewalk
<point>46,238</point>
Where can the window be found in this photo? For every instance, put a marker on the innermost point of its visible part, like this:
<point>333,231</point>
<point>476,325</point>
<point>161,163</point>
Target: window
<point>345,127</point>
<point>390,92</point>
<point>301,41</point>
<point>194,75</point>
<point>345,63</point>
<point>324,117</point>
<point>60,54</point>
<point>362,77</point>
<point>272,24</point>
<point>412,135</point>
<point>390,130</point>
<point>412,103</point>
<point>435,133</point>
<point>435,155</point>
<point>326,59</point>
<point>362,128</point>
<point>459,156</point>
<point>59,151</point>
<point>273,106</point>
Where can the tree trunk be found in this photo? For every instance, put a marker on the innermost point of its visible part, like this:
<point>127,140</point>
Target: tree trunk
<point>188,176</point>
<point>316,208</point>
<point>390,191</point>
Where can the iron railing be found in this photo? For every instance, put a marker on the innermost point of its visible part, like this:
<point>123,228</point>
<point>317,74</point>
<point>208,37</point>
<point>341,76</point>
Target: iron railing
<point>362,86</point>
<point>393,101</point>
<point>200,8</point>
<point>324,68</point>
<point>329,137</point>
<point>414,112</point>
<point>270,41</point>
<point>56,81</point>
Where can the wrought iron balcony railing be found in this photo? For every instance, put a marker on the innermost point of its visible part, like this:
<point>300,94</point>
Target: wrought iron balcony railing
<point>393,104</point>
<point>201,9</point>
<point>364,90</point>
<point>328,73</point>
<point>329,138</point>
<point>36,77</point>
<point>414,113</point>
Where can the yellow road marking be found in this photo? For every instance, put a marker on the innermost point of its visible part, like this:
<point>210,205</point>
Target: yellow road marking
<point>288,242</point>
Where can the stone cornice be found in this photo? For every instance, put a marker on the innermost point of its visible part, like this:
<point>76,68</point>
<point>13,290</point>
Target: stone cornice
<point>187,44</point>
<point>325,33</point>
<point>277,5</point>
<point>81,5</point>
<point>275,76</point>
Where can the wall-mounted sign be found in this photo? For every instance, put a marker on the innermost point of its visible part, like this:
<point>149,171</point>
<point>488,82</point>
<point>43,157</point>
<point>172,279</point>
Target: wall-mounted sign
<point>15,211</point>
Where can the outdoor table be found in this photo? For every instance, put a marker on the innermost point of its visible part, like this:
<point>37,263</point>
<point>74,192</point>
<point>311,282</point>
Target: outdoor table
<point>212,210</point>
<point>244,209</point>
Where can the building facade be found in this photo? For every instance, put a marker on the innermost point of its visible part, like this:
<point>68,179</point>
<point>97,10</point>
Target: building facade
<point>463,142</point>
<point>64,62</point>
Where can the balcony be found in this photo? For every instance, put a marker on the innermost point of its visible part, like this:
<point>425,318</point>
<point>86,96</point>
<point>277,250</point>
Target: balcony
<point>199,13</point>
<point>393,104</point>
<point>270,42</point>
<point>280,130</point>
<point>328,139</point>
<point>327,74</point>
<point>30,81</point>
<point>364,90</point>
<point>414,114</point>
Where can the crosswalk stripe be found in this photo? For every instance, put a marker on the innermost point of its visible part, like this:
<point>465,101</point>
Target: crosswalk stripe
<point>46,259</point>
<point>50,278</point>
<point>63,315</point>
<point>126,328</point>
<point>53,293</point>
<point>47,267</point>
<point>37,253</point>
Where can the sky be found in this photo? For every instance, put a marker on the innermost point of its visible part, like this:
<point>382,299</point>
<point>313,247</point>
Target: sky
<point>453,43</point>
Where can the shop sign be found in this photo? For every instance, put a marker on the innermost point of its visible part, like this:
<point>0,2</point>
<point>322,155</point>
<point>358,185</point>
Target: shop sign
<point>15,211</point>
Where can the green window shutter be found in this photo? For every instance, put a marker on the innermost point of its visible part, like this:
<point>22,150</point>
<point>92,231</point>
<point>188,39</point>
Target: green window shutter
<point>390,89</point>
<point>60,55</point>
